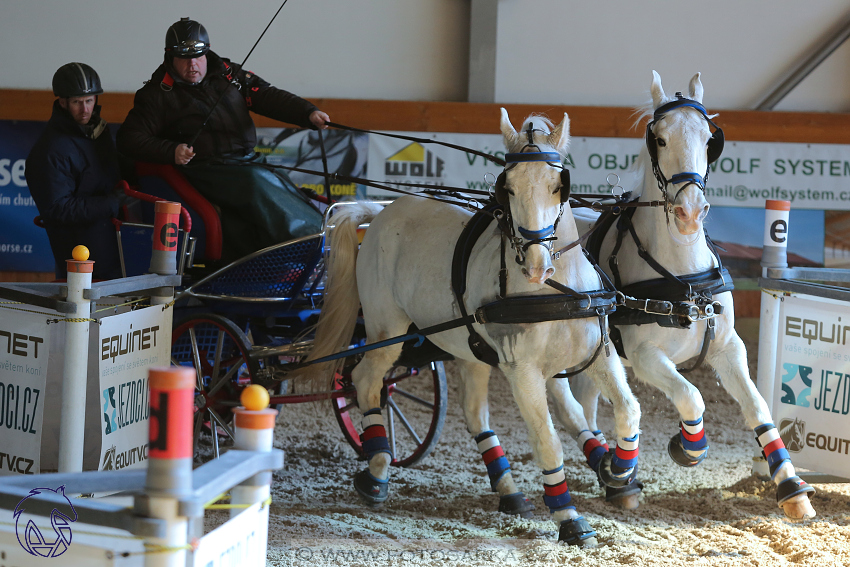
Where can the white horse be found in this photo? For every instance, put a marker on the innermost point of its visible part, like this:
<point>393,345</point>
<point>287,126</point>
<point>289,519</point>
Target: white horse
<point>680,147</point>
<point>404,275</point>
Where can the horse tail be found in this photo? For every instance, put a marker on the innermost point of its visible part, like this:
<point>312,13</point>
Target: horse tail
<point>335,326</point>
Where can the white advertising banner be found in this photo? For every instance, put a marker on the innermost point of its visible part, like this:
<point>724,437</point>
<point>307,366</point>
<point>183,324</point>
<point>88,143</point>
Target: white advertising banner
<point>811,405</point>
<point>811,176</point>
<point>240,541</point>
<point>128,345</point>
<point>24,352</point>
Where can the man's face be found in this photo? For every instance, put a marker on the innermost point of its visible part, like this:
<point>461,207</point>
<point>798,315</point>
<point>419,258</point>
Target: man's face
<point>191,70</point>
<point>79,107</point>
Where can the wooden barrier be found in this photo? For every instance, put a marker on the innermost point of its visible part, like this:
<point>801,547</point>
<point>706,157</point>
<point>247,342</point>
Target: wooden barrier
<point>467,117</point>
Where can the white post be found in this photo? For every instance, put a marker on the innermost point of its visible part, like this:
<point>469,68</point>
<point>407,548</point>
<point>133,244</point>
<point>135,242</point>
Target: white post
<point>254,431</point>
<point>774,255</point>
<point>75,371</point>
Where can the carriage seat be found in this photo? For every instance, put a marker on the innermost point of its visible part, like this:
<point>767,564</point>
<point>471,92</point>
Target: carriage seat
<point>166,181</point>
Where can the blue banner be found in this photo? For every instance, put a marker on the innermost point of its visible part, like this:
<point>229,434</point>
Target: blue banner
<point>23,246</point>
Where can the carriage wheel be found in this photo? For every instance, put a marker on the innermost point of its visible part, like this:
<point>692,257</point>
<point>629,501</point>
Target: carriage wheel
<point>218,351</point>
<point>413,404</point>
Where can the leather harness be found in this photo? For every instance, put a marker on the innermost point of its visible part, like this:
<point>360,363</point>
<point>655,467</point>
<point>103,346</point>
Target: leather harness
<point>669,301</point>
<point>569,304</point>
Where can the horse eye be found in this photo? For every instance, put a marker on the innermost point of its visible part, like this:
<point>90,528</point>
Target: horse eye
<point>661,143</point>
<point>509,191</point>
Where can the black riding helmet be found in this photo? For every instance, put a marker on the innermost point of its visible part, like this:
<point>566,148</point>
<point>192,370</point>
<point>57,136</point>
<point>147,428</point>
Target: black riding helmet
<point>76,79</point>
<point>186,39</point>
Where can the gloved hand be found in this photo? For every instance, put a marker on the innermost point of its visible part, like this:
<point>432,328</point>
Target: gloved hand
<point>123,198</point>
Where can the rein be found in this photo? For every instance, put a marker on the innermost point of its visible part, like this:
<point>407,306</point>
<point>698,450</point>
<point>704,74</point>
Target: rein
<point>485,155</point>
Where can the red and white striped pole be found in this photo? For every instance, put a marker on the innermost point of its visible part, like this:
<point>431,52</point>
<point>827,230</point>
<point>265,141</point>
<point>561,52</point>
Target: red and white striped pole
<point>166,228</point>
<point>169,476</point>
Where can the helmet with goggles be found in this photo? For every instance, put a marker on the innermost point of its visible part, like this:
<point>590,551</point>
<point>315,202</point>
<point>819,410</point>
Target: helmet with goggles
<point>187,39</point>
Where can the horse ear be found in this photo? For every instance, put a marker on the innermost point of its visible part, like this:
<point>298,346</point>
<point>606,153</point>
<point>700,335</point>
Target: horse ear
<point>658,96</point>
<point>560,136</point>
<point>508,131</point>
<point>696,89</point>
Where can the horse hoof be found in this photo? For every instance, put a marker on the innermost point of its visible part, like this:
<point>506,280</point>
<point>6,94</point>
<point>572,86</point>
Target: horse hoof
<point>577,532</point>
<point>370,489</point>
<point>606,475</point>
<point>516,505</point>
<point>626,497</point>
<point>799,508</point>
<point>792,496</point>
<point>677,453</point>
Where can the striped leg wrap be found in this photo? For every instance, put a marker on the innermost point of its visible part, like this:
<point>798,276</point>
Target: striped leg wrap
<point>494,457</point>
<point>693,439</point>
<point>772,447</point>
<point>601,438</point>
<point>592,447</point>
<point>625,457</point>
<point>374,436</point>
<point>556,494</point>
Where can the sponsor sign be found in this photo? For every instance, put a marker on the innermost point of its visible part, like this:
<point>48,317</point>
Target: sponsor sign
<point>240,541</point>
<point>345,153</point>
<point>810,176</point>
<point>128,344</point>
<point>23,246</point>
<point>24,353</point>
<point>811,405</point>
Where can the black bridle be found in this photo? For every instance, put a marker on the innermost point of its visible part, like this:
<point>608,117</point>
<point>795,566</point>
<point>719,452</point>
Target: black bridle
<point>714,149</point>
<point>545,236</point>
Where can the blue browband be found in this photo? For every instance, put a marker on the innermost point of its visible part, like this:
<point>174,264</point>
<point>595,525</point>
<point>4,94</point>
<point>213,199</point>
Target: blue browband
<point>536,234</point>
<point>665,108</point>
<point>687,176</point>
<point>533,156</point>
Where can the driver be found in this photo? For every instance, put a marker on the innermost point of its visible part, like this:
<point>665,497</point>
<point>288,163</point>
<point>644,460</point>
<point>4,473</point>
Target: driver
<point>260,206</point>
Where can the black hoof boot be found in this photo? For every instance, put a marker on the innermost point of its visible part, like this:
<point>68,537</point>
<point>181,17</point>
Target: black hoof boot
<point>790,487</point>
<point>607,476</point>
<point>371,490</point>
<point>677,453</point>
<point>577,532</point>
<point>516,504</point>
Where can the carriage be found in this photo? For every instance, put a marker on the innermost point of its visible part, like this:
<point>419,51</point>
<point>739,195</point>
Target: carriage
<point>248,322</point>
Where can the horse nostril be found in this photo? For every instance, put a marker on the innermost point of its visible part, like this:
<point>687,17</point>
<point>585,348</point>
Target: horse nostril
<point>549,273</point>
<point>680,213</point>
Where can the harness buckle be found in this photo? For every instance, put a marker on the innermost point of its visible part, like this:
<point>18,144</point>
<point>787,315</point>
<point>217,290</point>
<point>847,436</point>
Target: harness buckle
<point>656,307</point>
<point>620,298</point>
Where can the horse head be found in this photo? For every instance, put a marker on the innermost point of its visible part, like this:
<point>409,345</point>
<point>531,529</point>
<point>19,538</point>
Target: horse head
<point>681,146</point>
<point>533,190</point>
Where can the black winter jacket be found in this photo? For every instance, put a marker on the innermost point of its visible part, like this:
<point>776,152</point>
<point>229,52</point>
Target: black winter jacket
<point>168,111</point>
<point>72,179</point>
